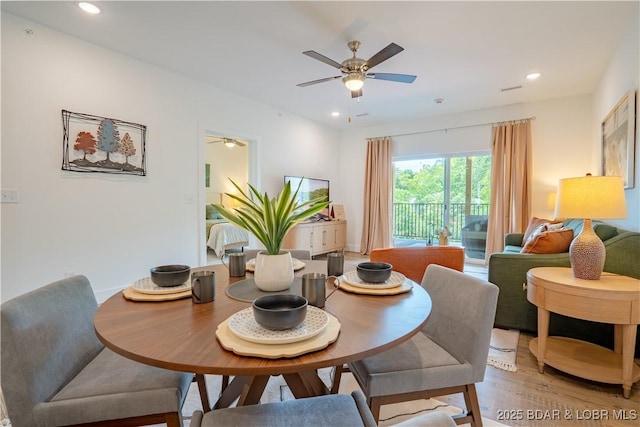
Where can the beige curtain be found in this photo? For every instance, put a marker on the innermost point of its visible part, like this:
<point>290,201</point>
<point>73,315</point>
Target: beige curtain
<point>378,184</point>
<point>510,206</point>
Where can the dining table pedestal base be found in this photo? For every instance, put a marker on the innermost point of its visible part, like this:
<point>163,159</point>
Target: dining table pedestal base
<point>248,389</point>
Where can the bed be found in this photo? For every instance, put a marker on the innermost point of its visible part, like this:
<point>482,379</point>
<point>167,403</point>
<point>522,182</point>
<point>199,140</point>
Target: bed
<point>222,235</point>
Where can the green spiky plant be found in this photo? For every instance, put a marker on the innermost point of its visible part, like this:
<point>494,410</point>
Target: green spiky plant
<point>270,219</point>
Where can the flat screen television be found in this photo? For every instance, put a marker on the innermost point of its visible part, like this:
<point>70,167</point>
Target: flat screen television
<point>310,189</point>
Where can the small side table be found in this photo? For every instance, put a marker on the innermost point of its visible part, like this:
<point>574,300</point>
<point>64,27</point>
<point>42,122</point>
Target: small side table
<point>612,299</point>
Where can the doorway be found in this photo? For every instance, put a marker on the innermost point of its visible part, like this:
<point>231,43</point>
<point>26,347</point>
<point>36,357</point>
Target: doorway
<point>223,156</point>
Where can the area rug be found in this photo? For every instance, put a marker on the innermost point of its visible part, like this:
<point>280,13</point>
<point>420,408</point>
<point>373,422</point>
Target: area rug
<point>503,347</point>
<point>277,390</point>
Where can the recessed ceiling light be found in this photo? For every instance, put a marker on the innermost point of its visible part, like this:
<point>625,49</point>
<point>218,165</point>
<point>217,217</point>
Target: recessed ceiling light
<point>89,8</point>
<point>533,76</point>
<point>335,113</point>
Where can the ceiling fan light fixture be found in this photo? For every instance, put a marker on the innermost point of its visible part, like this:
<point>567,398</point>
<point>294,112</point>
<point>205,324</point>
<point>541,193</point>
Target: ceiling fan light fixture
<point>229,143</point>
<point>353,81</point>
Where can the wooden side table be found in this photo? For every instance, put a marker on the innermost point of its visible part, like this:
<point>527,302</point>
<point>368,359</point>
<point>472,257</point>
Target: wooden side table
<point>612,299</point>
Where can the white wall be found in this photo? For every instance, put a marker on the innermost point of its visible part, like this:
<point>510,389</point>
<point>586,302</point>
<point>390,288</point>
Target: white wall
<point>621,75</point>
<point>561,136</point>
<point>114,228</point>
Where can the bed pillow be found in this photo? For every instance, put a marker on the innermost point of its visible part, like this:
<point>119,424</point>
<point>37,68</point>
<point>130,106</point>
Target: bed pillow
<point>549,242</point>
<point>212,212</point>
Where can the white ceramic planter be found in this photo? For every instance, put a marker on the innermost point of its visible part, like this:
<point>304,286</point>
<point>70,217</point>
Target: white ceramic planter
<point>273,272</point>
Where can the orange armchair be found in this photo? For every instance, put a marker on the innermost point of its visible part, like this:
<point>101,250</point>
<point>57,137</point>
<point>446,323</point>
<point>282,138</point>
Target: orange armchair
<point>413,261</point>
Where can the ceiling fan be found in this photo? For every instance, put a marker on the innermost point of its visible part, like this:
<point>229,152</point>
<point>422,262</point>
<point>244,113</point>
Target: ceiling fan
<point>228,142</point>
<point>356,70</point>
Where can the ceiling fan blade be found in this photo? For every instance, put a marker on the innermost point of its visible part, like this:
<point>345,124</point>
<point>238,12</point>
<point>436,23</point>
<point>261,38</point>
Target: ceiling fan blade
<point>315,55</point>
<point>313,82</point>
<point>402,78</point>
<point>210,139</point>
<point>386,53</point>
<point>356,93</point>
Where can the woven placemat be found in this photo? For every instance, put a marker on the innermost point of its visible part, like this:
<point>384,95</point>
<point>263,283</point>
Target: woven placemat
<point>132,294</point>
<point>246,290</point>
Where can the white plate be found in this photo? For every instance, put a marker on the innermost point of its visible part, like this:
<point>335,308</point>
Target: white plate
<point>297,264</point>
<point>396,279</point>
<point>146,286</point>
<point>244,325</point>
<point>229,341</point>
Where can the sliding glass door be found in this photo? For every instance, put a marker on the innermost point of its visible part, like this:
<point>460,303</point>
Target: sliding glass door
<point>447,191</point>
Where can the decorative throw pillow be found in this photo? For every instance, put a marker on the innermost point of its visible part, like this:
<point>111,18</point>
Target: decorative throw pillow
<point>549,242</point>
<point>534,223</point>
<point>554,226</point>
<point>539,229</point>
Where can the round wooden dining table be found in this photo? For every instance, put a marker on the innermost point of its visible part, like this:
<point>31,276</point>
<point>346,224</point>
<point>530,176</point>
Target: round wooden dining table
<point>181,335</point>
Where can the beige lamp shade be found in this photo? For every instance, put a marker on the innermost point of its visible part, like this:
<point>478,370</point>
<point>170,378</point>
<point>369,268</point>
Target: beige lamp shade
<point>590,197</point>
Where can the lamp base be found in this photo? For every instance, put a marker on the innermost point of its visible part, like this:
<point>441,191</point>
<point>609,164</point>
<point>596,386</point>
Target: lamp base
<point>587,253</point>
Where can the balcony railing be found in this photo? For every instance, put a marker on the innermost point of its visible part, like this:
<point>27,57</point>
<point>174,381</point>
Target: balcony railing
<point>419,221</point>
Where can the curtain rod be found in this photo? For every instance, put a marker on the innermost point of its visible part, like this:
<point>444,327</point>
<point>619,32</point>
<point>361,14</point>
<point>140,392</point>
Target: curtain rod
<point>461,127</point>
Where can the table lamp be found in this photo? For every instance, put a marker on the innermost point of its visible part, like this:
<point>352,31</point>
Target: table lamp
<point>589,197</point>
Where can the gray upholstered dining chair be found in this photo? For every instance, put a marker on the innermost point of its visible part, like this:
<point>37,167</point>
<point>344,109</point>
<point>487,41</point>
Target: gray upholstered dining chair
<point>331,410</point>
<point>449,355</point>
<point>412,262</point>
<point>301,254</point>
<point>55,371</point>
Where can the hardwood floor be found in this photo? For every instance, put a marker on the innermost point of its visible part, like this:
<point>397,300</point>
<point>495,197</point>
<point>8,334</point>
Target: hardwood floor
<point>528,398</point>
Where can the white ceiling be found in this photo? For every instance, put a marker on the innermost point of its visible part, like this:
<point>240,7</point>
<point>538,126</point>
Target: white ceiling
<point>463,52</point>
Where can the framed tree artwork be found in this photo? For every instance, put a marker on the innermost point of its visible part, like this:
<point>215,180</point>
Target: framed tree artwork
<point>99,144</point>
<point>618,140</point>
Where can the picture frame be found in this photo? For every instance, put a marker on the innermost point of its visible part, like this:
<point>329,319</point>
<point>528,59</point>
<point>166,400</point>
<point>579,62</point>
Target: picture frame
<point>100,144</point>
<point>618,140</point>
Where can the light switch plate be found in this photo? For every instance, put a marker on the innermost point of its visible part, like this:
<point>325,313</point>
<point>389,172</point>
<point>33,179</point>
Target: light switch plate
<point>10,195</point>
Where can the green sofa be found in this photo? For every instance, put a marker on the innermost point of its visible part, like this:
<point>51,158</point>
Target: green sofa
<point>508,270</point>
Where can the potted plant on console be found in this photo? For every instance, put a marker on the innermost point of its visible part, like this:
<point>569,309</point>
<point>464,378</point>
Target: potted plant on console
<point>270,219</point>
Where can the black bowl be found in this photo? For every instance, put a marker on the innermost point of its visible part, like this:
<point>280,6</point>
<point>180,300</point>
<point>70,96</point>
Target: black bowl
<point>278,312</point>
<point>170,275</point>
<point>374,272</point>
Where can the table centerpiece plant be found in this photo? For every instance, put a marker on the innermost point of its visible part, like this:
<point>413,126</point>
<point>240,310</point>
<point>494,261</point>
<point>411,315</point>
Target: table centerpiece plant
<point>270,219</point>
